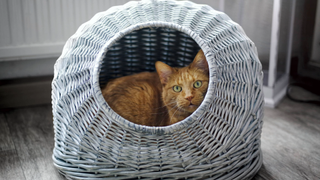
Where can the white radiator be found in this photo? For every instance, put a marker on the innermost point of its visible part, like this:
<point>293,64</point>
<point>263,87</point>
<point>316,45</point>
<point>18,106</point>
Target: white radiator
<point>39,28</point>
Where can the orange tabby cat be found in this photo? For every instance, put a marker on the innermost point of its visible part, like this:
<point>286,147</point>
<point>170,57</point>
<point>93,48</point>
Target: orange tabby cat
<point>160,98</point>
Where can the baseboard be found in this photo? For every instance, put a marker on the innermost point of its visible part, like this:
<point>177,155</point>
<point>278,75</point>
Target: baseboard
<point>25,92</point>
<point>273,102</point>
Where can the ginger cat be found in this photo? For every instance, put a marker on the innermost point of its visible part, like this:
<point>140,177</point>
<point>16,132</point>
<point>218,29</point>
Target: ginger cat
<point>160,98</point>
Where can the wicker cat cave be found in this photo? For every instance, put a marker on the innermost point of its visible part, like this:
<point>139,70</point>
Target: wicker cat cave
<point>220,140</point>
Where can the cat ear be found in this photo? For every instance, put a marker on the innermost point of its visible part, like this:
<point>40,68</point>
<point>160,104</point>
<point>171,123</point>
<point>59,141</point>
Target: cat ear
<point>200,62</point>
<point>164,71</point>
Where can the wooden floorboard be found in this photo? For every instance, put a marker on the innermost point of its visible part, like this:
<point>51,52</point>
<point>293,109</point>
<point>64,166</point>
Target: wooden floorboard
<point>32,134</point>
<point>10,167</point>
<point>290,143</point>
<point>6,142</point>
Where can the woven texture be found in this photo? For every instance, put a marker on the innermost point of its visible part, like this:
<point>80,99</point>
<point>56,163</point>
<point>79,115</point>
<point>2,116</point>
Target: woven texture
<point>220,140</point>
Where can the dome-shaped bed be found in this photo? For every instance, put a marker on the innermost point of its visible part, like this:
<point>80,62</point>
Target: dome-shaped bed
<point>220,140</point>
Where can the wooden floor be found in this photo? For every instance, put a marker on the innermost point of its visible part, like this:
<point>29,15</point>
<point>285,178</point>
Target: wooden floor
<point>290,143</point>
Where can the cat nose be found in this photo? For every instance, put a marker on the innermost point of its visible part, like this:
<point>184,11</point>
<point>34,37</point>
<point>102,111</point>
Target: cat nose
<point>189,98</point>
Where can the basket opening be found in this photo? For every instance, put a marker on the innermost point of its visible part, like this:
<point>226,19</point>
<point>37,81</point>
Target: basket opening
<point>138,51</point>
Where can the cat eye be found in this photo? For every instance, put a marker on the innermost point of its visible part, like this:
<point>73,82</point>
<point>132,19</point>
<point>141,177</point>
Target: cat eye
<point>197,84</point>
<point>177,88</point>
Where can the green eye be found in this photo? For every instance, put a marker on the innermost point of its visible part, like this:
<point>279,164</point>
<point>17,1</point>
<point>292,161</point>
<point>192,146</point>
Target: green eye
<point>177,88</point>
<point>197,84</point>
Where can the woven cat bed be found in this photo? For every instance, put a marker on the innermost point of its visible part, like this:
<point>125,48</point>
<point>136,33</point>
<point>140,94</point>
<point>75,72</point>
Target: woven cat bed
<point>220,140</point>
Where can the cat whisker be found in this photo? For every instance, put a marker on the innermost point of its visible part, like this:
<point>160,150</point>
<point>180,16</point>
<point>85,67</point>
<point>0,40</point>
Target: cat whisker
<point>174,112</point>
<point>173,107</point>
<point>165,105</point>
<point>164,110</point>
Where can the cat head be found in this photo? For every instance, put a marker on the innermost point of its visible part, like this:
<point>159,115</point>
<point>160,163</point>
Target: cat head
<point>184,88</point>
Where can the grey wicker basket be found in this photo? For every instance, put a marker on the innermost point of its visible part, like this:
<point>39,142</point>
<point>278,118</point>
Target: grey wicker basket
<point>220,140</point>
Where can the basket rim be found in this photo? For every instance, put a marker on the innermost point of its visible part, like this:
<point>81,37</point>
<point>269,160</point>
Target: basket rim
<point>151,129</point>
